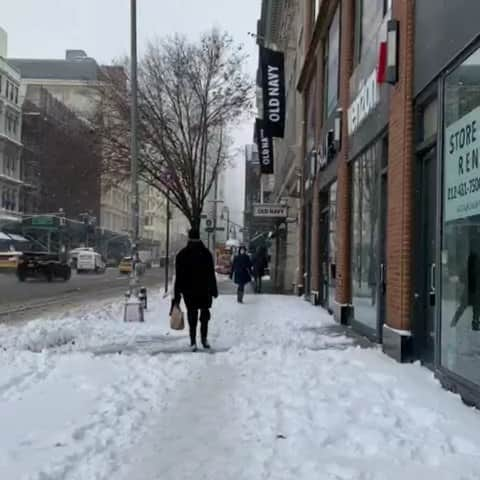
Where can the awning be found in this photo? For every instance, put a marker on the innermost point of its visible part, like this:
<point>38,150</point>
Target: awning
<point>17,238</point>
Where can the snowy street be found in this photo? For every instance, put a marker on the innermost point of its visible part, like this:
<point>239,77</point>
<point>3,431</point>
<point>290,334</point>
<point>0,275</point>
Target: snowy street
<point>285,395</point>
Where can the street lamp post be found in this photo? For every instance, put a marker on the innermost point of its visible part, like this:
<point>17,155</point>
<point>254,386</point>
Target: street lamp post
<point>134,128</point>
<point>227,210</point>
<point>167,244</point>
<point>134,306</point>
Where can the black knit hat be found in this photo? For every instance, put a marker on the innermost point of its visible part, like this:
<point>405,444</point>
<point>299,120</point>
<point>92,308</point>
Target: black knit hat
<point>194,234</point>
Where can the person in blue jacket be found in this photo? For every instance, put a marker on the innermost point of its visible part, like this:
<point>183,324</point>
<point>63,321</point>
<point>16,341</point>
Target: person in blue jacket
<point>241,272</point>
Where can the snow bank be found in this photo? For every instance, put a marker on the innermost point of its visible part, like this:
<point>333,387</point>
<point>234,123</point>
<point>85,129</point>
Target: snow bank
<point>287,395</point>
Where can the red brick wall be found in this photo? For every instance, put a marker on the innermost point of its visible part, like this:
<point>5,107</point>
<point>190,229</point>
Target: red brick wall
<point>400,176</point>
<point>343,291</point>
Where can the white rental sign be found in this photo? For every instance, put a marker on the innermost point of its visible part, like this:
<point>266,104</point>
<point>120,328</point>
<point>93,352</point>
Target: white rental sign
<point>462,167</point>
<point>272,211</point>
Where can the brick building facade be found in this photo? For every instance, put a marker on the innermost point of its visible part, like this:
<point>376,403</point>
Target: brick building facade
<point>388,218</point>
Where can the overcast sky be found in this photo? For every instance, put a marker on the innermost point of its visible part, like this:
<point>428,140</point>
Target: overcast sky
<point>46,28</point>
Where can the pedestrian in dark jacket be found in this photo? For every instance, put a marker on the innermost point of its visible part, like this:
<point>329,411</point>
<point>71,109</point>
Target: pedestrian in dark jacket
<point>196,282</point>
<point>241,272</point>
<point>260,263</point>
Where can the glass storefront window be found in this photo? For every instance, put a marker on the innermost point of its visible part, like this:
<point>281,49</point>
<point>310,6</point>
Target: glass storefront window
<point>332,242</point>
<point>460,275</point>
<point>365,226</point>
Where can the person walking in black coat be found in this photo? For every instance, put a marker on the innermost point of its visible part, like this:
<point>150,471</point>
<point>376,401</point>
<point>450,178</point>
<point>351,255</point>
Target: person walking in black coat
<point>195,280</point>
<point>241,272</point>
<point>260,263</point>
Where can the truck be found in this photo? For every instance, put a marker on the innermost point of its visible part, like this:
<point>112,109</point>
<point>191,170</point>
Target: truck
<point>90,261</point>
<point>42,265</point>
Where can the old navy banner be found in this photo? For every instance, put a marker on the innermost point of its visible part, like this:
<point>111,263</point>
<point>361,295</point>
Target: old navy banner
<point>273,89</point>
<point>265,147</point>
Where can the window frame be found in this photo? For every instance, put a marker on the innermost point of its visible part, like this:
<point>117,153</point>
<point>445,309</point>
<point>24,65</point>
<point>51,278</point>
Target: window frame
<point>327,111</point>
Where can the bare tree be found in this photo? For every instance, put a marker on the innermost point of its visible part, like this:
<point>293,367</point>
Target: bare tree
<point>190,96</point>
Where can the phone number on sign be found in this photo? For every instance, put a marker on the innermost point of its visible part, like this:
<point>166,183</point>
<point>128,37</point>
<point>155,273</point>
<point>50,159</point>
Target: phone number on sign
<point>463,189</point>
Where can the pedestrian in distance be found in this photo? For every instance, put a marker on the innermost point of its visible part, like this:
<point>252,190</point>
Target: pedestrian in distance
<point>241,272</point>
<point>471,292</point>
<point>195,281</point>
<point>260,263</point>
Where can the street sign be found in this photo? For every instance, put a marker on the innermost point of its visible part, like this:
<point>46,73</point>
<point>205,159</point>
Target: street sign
<point>220,229</point>
<point>270,211</point>
<point>209,223</point>
<point>42,221</point>
<point>209,229</point>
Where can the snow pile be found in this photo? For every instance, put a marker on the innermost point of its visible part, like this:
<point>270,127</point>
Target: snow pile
<point>286,395</point>
<point>86,329</point>
<point>43,338</point>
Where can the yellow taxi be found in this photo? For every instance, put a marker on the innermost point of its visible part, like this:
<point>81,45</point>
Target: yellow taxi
<point>125,265</point>
<point>9,261</point>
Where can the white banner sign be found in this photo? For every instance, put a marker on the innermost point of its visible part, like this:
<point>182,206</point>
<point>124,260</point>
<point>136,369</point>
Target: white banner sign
<point>365,102</point>
<point>462,167</point>
<point>272,211</point>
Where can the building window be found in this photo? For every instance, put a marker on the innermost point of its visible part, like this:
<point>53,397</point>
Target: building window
<point>368,14</point>
<point>365,227</point>
<point>12,123</point>
<point>9,165</point>
<point>331,64</point>
<point>460,255</point>
<point>9,199</point>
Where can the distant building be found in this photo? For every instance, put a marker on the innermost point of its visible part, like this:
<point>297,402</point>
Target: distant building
<point>10,138</point>
<point>61,159</point>
<point>74,81</point>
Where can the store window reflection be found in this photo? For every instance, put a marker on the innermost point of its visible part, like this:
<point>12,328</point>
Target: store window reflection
<point>365,237</point>
<point>460,307</point>
<point>332,243</point>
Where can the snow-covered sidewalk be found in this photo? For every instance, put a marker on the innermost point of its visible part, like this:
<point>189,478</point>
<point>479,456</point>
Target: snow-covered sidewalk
<point>283,397</point>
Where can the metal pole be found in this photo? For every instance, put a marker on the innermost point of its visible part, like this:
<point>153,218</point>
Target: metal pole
<point>228,224</point>
<point>134,128</point>
<point>214,236</point>
<point>167,245</point>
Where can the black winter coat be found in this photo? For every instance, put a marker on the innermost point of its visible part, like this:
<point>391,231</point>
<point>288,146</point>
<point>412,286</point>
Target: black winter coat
<point>260,263</point>
<point>195,276</point>
<point>242,267</point>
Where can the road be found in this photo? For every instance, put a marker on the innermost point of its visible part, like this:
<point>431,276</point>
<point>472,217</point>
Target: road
<point>35,295</point>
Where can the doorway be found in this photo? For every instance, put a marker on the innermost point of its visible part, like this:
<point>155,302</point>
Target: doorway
<point>425,296</point>
<point>382,253</point>
<point>308,251</point>
<point>323,257</point>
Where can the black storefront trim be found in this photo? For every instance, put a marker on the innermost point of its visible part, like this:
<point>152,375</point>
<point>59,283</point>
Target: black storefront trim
<point>468,391</point>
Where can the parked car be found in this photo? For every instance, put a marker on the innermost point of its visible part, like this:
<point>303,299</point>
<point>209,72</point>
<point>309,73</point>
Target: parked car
<point>90,261</point>
<point>42,265</point>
